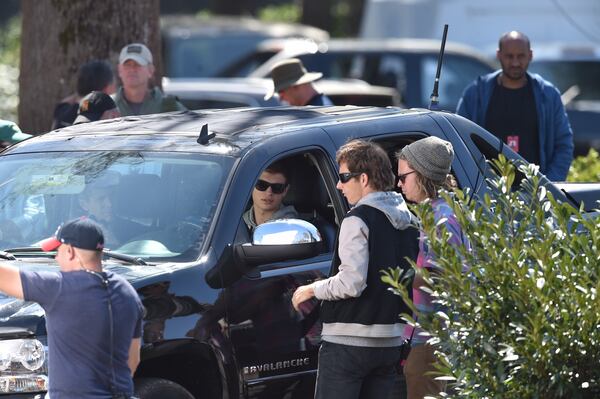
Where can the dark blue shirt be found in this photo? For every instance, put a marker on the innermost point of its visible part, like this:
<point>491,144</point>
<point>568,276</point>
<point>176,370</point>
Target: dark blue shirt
<point>320,99</point>
<point>79,331</point>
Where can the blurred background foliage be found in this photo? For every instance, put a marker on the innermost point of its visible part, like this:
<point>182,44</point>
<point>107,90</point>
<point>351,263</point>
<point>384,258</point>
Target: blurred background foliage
<point>291,13</point>
<point>10,34</point>
<point>585,168</point>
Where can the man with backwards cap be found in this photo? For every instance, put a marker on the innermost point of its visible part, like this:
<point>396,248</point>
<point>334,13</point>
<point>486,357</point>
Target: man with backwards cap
<point>294,85</point>
<point>93,317</point>
<point>136,96</point>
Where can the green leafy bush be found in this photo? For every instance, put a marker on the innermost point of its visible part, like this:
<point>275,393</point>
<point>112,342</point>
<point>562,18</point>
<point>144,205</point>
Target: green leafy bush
<point>524,320</point>
<point>585,168</point>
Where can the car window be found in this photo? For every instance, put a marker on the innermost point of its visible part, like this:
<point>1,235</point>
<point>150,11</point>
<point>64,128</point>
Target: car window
<point>306,198</point>
<point>457,73</point>
<point>245,65</point>
<point>155,206</point>
<point>205,56</point>
<point>566,74</point>
<point>391,72</point>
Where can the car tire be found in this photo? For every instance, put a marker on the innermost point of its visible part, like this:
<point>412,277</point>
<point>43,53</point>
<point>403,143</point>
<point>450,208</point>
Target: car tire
<point>158,388</point>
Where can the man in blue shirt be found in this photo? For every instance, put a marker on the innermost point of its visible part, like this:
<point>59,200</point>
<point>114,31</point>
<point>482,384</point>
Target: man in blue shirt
<point>93,318</point>
<point>522,109</point>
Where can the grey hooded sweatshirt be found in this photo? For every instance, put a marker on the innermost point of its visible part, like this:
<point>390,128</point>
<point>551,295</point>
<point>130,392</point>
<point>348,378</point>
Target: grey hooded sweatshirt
<point>350,280</point>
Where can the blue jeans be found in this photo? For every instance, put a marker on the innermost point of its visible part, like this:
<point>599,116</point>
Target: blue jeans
<point>353,372</point>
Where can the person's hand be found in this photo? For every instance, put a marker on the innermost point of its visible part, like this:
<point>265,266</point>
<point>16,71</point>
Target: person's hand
<point>302,293</point>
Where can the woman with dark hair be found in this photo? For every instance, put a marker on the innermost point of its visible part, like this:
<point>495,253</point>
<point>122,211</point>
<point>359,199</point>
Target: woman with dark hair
<point>424,169</point>
<point>92,76</point>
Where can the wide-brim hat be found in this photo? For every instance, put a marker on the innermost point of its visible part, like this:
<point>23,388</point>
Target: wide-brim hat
<point>288,73</point>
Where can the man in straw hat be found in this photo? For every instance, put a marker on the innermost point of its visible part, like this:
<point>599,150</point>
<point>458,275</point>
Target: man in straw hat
<point>294,85</point>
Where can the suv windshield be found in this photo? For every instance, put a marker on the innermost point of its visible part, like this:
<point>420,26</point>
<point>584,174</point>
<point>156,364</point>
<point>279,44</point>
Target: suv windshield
<point>154,206</point>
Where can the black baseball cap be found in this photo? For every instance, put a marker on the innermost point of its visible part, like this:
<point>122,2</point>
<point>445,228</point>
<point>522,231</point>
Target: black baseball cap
<point>81,233</point>
<point>92,106</point>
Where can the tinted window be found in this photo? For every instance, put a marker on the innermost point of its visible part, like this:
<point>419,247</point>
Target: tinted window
<point>457,73</point>
<point>148,205</point>
<point>206,56</point>
<point>566,74</point>
<point>375,68</point>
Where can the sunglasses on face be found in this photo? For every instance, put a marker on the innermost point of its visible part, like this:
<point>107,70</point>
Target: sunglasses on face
<point>345,177</point>
<point>402,177</point>
<point>276,188</point>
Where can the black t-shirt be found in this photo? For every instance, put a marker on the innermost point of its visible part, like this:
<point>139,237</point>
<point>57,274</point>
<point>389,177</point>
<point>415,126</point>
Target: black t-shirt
<point>512,117</point>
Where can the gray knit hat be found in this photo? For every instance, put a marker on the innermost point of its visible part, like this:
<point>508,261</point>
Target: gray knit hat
<point>431,157</point>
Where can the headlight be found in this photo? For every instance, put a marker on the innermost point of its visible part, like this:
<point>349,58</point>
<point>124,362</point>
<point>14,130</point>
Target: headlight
<point>23,366</point>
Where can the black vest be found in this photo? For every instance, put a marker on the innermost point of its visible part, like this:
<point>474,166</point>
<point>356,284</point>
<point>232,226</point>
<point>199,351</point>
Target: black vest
<point>388,247</point>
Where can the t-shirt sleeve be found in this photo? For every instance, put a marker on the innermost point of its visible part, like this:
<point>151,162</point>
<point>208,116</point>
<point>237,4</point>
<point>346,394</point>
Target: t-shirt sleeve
<point>137,332</point>
<point>41,287</point>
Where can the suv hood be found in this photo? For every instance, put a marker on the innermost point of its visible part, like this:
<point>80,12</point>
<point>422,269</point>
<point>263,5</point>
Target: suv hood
<point>29,315</point>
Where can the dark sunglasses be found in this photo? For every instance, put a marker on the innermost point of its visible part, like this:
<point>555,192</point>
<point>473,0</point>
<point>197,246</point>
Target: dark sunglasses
<point>402,177</point>
<point>345,177</point>
<point>276,188</point>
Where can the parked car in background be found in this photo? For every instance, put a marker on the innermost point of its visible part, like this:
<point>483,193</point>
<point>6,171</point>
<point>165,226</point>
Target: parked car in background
<point>575,71</point>
<point>204,93</point>
<point>408,65</point>
<point>203,46</point>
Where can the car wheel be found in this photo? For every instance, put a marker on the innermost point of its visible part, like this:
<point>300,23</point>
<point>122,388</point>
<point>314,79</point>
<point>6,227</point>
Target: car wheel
<point>158,388</point>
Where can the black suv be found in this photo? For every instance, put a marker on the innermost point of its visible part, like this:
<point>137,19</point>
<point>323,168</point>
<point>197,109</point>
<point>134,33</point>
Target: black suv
<point>219,321</point>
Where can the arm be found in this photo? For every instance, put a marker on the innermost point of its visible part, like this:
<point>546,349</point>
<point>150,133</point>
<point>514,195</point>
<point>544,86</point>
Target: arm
<point>558,166</point>
<point>465,107</point>
<point>134,354</point>
<point>351,278</point>
<point>10,281</point>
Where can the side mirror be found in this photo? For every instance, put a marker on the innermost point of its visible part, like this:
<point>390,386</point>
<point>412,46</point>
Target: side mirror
<point>273,241</point>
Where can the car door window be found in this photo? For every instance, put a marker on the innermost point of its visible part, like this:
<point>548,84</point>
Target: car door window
<point>391,72</point>
<point>306,195</point>
<point>457,73</point>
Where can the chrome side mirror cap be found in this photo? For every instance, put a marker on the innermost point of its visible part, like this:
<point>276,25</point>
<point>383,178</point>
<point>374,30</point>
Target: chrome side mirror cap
<point>286,232</point>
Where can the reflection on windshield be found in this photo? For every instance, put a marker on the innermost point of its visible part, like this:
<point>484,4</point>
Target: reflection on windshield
<point>148,205</point>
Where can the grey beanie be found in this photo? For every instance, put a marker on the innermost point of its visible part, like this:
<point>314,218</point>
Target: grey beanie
<point>431,157</point>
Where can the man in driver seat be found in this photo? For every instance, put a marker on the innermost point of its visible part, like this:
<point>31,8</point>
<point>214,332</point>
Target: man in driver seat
<point>267,198</point>
<point>96,201</point>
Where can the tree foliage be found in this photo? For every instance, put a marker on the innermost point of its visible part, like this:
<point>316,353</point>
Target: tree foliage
<point>523,321</point>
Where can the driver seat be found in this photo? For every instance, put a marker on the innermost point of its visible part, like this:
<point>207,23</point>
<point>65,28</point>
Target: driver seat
<point>308,194</point>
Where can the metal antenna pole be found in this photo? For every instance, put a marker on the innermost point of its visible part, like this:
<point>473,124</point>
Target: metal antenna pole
<point>434,99</point>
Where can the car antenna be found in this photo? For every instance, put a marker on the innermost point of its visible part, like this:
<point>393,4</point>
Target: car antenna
<point>204,136</point>
<point>434,103</point>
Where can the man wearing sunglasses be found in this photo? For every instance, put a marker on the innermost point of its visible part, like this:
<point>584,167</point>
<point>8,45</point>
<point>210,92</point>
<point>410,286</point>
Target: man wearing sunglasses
<point>362,331</point>
<point>267,198</point>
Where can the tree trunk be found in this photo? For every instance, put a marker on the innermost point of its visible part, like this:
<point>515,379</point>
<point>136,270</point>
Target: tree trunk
<point>60,35</point>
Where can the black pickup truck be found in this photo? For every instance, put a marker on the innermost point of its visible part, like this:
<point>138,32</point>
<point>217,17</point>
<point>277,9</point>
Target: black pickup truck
<point>172,189</point>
